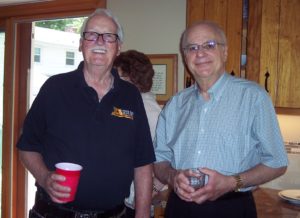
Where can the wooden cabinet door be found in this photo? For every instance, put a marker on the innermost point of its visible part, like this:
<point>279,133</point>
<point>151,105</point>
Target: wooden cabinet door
<point>228,14</point>
<point>288,84</point>
<point>273,50</point>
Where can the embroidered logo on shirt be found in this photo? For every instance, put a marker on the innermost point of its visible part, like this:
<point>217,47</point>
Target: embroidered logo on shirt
<point>122,113</point>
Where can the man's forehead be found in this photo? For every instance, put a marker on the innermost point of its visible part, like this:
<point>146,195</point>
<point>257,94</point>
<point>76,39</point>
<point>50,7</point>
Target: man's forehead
<point>201,32</point>
<point>102,20</point>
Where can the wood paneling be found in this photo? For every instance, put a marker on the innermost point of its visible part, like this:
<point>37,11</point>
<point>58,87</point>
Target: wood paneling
<point>66,7</point>
<point>254,40</point>
<point>273,47</point>
<point>234,23</point>
<point>228,14</point>
<point>269,45</point>
<point>195,10</point>
<point>288,88</point>
<point>216,10</point>
<point>7,177</point>
<point>22,65</point>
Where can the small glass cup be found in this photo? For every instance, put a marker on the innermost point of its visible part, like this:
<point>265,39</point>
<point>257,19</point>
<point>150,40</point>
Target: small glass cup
<point>197,181</point>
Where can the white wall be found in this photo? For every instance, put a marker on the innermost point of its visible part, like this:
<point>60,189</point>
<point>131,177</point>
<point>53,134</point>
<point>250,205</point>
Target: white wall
<point>290,129</point>
<point>152,26</point>
<point>53,44</point>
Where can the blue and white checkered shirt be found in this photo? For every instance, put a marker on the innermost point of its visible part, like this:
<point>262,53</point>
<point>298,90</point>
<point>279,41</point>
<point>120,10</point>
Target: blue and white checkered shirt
<point>231,133</point>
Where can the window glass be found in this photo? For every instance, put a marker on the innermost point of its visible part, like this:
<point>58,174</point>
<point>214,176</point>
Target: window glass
<point>37,55</point>
<point>70,56</point>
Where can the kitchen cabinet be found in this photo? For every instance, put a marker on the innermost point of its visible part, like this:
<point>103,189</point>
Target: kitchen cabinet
<point>273,50</point>
<point>228,14</point>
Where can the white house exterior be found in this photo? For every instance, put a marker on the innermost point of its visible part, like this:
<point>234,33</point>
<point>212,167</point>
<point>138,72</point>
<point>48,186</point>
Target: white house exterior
<point>53,52</point>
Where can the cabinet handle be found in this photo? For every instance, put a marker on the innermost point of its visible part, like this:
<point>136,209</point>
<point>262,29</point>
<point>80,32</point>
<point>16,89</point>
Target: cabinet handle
<point>267,75</point>
<point>232,73</point>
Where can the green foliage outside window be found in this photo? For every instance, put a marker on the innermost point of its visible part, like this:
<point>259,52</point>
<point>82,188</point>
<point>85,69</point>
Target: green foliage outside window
<point>62,24</point>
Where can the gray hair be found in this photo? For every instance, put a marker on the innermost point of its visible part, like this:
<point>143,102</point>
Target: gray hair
<point>212,25</point>
<point>107,13</point>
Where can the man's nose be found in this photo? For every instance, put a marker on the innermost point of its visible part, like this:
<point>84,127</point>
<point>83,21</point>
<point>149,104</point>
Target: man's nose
<point>201,51</point>
<point>100,40</point>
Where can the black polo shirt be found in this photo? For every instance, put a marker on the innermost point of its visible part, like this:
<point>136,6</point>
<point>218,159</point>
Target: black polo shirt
<point>67,123</point>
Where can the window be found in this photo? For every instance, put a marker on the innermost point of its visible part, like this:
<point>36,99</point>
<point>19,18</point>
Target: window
<point>70,56</point>
<point>37,55</point>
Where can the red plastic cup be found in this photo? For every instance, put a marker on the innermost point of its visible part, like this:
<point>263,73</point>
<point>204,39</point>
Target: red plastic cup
<point>72,173</point>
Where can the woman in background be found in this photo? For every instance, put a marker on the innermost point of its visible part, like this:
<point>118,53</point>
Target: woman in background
<point>136,68</point>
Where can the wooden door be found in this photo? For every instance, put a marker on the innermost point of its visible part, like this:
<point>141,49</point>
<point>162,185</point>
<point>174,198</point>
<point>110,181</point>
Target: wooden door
<point>288,84</point>
<point>228,14</point>
<point>273,49</point>
<point>268,53</point>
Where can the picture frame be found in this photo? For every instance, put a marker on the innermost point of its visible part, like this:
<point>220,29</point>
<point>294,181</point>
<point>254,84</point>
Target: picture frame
<point>165,78</point>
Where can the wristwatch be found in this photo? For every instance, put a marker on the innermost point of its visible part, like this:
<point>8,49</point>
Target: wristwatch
<point>239,183</point>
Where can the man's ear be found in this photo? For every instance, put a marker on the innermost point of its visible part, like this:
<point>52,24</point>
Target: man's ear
<point>225,53</point>
<point>119,48</point>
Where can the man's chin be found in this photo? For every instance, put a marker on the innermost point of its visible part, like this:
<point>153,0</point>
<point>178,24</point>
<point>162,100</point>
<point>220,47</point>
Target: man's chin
<point>96,64</point>
<point>203,71</point>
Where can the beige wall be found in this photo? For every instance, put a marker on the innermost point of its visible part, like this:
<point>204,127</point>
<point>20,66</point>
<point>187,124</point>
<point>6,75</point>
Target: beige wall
<point>290,127</point>
<point>152,26</point>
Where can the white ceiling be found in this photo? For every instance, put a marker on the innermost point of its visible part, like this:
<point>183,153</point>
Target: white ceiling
<point>16,2</point>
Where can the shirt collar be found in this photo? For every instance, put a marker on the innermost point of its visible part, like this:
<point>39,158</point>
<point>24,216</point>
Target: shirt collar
<point>83,83</point>
<point>216,90</point>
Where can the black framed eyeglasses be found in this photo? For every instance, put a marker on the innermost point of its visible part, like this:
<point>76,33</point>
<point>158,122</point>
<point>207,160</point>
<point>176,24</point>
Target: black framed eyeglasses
<point>206,46</point>
<point>106,37</point>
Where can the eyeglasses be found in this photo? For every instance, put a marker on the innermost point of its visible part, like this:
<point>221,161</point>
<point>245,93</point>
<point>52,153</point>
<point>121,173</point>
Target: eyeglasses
<point>106,37</point>
<point>206,46</point>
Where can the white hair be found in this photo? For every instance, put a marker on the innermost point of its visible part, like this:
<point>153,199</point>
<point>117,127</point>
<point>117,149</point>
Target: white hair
<point>107,13</point>
<point>214,26</point>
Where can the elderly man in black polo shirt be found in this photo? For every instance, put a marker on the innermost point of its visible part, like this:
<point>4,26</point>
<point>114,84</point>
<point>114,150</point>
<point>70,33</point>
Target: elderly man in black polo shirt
<point>93,118</point>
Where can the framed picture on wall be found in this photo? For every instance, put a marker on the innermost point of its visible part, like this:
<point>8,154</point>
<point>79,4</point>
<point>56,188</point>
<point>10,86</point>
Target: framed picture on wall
<point>165,77</point>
